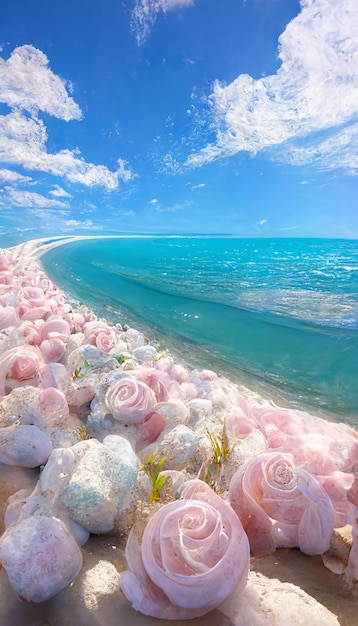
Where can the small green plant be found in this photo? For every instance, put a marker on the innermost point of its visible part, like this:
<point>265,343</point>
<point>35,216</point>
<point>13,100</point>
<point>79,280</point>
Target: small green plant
<point>160,355</point>
<point>83,432</point>
<point>121,358</point>
<point>211,470</point>
<point>81,372</point>
<point>153,468</point>
<point>220,446</point>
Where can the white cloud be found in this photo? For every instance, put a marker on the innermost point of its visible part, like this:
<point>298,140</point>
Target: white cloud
<point>198,186</point>
<point>9,176</point>
<point>338,150</point>
<point>27,83</point>
<point>261,223</point>
<point>23,142</point>
<point>314,90</point>
<point>288,228</point>
<point>172,209</point>
<point>58,192</point>
<point>14,198</point>
<point>28,86</point>
<point>79,223</point>
<point>145,13</point>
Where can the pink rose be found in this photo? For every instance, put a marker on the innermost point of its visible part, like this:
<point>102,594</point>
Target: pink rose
<point>55,327</point>
<point>239,424</point>
<point>20,365</point>
<point>100,335</point>
<point>129,400</point>
<point>52,349</point>
<point>193,554</point>
<point>150,429</point>
<point>162,385</point>
<point>28,332</point>
<point>28,311</point>
<point>281,505</point>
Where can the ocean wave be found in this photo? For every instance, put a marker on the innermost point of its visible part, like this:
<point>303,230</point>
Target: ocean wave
<point>311,362</point>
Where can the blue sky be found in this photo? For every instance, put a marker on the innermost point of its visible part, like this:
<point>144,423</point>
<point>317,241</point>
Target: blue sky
<point>179,116</point>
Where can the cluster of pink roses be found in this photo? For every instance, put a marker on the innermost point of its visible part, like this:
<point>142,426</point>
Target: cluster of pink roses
<point>293,492</point>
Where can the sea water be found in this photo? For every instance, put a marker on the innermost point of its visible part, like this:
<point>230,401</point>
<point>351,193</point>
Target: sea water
<point>279,315</point>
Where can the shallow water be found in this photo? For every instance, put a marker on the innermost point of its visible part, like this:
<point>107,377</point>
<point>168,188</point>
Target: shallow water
<point>281,315</point>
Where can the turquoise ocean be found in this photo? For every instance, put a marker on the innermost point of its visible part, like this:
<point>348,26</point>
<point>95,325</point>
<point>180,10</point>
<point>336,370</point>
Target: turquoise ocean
<point>278,315</point>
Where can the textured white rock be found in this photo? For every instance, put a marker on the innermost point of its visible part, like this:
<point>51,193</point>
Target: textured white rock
<point>24,446</point>
<point>174,411</point>
<point>40,557</point>
<point>14,406</point>
<point>242,451</point>
<point>97,487</point>
<point>145,353</point>
<point>178,446</point>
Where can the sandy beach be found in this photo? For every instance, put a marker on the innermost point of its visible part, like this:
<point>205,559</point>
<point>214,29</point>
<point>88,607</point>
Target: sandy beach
<point>94,597</point>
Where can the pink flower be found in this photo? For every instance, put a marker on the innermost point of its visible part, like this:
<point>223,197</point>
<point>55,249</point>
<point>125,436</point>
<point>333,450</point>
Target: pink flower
<point>28,332</point>
<point>239,424</point>
<point>55,327</point>
<point>281,505</point>
<point>150,429</point>
<point>52,349</point>
<point>100,335</point>
<point>162,385</point>
<point>129,400</point>
<point>20,366</point>
<point>193,554</point>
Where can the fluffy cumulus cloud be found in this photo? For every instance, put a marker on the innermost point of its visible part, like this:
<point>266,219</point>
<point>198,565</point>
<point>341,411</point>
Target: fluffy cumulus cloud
<point>145,13</point>
<point>313,96</point>
<point>28,87</point>
<point>26,82</point>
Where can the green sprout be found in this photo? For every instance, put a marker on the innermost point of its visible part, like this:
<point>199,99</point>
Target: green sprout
<point>211,471</point>
<point>81,372</point>
<point>220,446</point>
<point>160,355</point>
<point>153,469</point>
<point>121,358</point>
<point>83,432</point>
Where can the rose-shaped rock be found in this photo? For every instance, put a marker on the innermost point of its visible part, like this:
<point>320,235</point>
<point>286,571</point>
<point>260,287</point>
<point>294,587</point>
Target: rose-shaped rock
<point>193,554</point>
<point>129,400</point>
<point>19,366</point>
<point>99,334</point>
<point>281,505</point>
